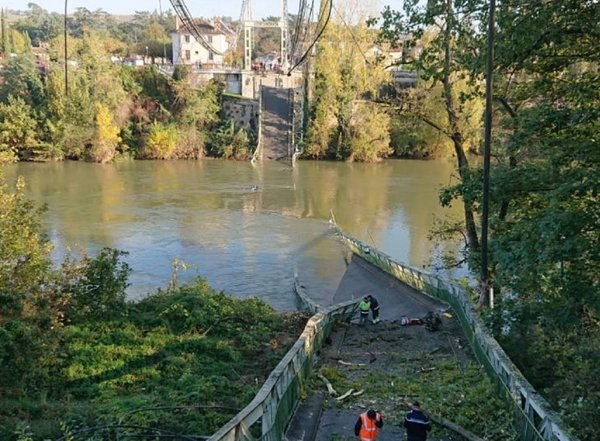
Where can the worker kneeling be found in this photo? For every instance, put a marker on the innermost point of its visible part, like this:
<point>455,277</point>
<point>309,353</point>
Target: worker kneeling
<point>367,426</point>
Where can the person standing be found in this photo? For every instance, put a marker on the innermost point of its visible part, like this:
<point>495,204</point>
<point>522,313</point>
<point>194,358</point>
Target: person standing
<point>363,307</point>
<point>374,308</point>
<point>417,424</point>
<point>368,424</point>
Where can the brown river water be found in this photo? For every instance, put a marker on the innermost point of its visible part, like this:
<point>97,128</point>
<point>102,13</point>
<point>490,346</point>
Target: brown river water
<point>245,228</point>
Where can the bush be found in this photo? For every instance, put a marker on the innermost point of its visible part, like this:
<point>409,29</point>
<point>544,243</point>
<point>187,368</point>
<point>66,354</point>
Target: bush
<point>160,142</point>
<point>97,289</point>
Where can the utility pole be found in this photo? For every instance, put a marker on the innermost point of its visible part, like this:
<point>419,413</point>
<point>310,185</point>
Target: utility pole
<point>66,64</point>
<point>160,11</point>
<point>489,69</point>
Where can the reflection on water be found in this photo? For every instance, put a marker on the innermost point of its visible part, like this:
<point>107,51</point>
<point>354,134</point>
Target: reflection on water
<point>244,228</point>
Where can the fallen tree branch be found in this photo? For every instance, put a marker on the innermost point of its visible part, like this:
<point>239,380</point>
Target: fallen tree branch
<point>346,395</point>
<point>345,363</point>
<point>449,425</point>
<point>330,388</point>
<point>455,428</point>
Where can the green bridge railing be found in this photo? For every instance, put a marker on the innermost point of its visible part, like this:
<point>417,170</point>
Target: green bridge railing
<point>534,419</point>
<point>269,413</point>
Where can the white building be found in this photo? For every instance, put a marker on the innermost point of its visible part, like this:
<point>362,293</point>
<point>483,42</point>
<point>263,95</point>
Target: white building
<point>188,50</point>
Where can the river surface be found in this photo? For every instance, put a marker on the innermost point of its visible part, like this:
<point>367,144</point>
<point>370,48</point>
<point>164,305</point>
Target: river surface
<point>245,228</point>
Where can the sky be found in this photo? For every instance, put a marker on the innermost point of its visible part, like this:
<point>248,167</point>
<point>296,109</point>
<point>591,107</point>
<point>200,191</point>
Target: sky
<point>198,8</point>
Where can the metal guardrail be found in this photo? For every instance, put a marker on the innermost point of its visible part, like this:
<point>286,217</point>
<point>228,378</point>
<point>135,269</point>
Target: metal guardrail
<point>269,413</point>
<point>534,420</point>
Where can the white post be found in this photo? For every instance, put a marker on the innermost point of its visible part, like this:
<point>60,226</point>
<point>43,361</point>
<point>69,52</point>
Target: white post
<point>247,45</point>
<point>284,34</point>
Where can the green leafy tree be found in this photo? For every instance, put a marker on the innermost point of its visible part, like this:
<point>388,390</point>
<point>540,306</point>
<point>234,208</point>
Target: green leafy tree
<point>230,142</point>
<point>22,80</point>
<point>18,134</point>
<point>447,31</point>
<point>39,25</point>
<point>544,183</point>
<point>27,326</point>
<point>197,112</point>
<point>154,41</point>
<point>71,118</point>
<point>95,289</point>
<point>5,48</point>
<point>343,78</point>
<point>544,220</point>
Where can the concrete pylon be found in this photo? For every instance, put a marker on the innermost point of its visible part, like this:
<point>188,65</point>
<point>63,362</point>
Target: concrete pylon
<point>284,34</point>
<point>246,19</point>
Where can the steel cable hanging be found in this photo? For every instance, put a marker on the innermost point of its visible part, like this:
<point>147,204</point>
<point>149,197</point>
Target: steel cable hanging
<point>325,20</point>
<point>304,27</point>
<point>184,15</point>
<point>297,27</point>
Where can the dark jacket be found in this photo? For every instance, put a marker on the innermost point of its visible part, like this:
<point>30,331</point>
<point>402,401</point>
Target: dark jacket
<point>417,425</point>
<point>374,303</point>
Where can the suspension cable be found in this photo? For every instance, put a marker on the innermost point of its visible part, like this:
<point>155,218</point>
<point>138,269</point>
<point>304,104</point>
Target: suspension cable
<point>301,60</point>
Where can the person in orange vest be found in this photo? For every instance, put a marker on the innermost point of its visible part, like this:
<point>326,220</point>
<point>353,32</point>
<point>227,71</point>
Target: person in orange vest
<point>368,424</point>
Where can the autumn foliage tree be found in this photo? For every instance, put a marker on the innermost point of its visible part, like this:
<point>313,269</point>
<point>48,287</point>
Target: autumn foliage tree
<point>344,124</point>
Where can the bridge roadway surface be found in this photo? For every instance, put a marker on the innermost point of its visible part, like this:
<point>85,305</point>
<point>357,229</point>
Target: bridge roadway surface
<point>320,419</point>
<point>276,123</point>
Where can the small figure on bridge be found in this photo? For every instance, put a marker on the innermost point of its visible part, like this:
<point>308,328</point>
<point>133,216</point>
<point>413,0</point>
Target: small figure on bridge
<point>374,308</point>
<point>368,424</point>
<point>363,307</point>
<point>417,424</point>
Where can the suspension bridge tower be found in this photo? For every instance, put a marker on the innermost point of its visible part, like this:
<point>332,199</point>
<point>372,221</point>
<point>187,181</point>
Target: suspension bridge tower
<point>248,24</point>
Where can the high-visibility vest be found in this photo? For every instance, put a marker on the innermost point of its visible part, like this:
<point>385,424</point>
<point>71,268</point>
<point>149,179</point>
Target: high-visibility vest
<point>368,429</point>
<point>364,306</point>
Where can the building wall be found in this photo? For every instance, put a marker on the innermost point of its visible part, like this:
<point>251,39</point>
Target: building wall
<point>187,50</point>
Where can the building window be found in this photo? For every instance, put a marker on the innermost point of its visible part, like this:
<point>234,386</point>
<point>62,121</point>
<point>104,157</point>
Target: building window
<point>210,38</point>
<point>187,55</point>
<point>187,38</point>
<point>210,56</point>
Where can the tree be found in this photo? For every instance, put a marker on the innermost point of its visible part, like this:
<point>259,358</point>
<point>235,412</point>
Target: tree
<point>18,135</point>
<point>153,41</point>
<point>96,287</point>
<point>106,137</point>
<point>70,118</point>
<point>451,33</point>
<point>544,237</point>
<point>39,25</point>
<point>344,78</point>
<point>27,324</point>
<point>544,224</point>
<point>4,49</point>
<point>22,80</point>
<point>160,142</point>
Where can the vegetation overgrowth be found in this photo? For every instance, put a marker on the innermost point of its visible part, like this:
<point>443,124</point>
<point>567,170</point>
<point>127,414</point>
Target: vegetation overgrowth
<point>74,353</point>
<point>544,229</point>
<point>544,235</point>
